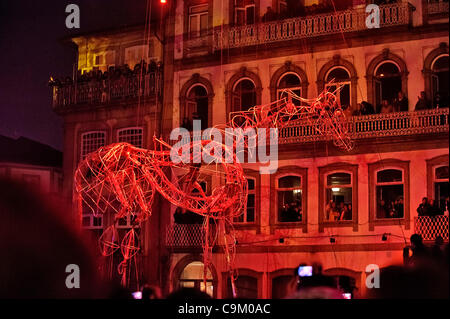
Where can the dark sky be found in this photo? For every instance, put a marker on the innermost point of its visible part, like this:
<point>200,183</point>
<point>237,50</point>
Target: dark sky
<point>31,51</point>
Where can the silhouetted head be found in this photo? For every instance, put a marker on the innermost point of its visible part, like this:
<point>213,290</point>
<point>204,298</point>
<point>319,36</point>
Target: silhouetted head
<point>416,240</point>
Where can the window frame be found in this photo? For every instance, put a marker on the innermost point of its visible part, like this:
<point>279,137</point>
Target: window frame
<point>324,172</point>
<point>338,83</point>
<point>198,34</point>
<point>293,170</point>
<point>373,168</point>
<point>432,164</point>
<point>235,94</point>
<point>104,65</point>
<point>378,184</point>
<point>119,131</point>
<point>82,154</point>
<point>294,88</point>
<point>244,9</point>
<point>253,174</point>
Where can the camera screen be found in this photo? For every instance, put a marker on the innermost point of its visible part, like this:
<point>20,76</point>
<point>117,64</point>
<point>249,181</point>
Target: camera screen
<point>137,295</point>
<point>347,295</point>
<point>305,271</point>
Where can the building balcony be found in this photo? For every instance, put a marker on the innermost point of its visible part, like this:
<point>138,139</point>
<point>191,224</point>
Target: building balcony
<point>374,126</point>
<point>184,235</point>
<point>103,89</point>
<point>431,227</point>
<point>353,20</point>
<point>411,123</point>
<point>437,7</point>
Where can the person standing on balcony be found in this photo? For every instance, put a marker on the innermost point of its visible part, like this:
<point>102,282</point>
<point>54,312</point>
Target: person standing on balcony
<point>270,15</point>
<point>422,102</point>
<point>434,209</point>
<point>386,107</point>
<point>423,209</point>
<point>401,103</point>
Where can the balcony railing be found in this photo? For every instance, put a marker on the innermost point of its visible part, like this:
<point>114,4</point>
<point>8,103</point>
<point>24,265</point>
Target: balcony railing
<point>112,89</point>
<point>431,227</point>
<point>376,125</point>
<point>184,235</point>
<point>310,26</point>
<point>439,6</point>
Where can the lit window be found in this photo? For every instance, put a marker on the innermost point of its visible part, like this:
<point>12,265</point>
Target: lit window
<point>289,192</point>
<point>91,141</point>
<point>390,194</point>
<point>132,135</point>
<point>198,20</point>
<point>249,215</point>
<point>338,206</point>
<point>244,12</point>
<point>341,77</point>
<point>105,59</point>
<point>441,189</point>
<point>192,277</point>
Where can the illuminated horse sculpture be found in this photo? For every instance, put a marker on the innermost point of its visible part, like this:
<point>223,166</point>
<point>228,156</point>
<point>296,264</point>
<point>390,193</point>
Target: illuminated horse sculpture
<point>122,179</point>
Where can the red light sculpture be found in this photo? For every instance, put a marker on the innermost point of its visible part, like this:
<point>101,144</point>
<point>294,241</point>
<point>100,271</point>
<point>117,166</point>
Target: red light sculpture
<point>121,179</point>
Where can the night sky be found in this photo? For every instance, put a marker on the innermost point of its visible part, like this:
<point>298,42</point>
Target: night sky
<point>31,51</point>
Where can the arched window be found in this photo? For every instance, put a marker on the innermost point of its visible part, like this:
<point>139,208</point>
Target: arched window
<point>339,197</point>
<point>388,82</point>
<point>439,81</point>
<point>341,77</point>
<point>244,95</point>
<point>441,185</point>
<point>292,82</point>
<point>289,198</point>
<point>249,215</point>
<point>192,277</point>
<point>390,193</point>
<point>196,107</point>
<point>387,75</point>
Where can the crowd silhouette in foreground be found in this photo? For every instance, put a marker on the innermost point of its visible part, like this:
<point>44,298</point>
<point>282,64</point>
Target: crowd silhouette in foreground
<point>38,242</point>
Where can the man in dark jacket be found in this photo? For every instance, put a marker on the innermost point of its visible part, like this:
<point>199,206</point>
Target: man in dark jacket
<point>423,209</point>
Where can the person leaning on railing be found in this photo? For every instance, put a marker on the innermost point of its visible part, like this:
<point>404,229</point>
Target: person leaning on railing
<point>422,102</point>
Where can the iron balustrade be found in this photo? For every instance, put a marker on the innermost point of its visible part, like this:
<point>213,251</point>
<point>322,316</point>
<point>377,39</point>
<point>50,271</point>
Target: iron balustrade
<point>184,235</point>
<point>376,125</point>
<point>350,20</point>
<point>109,90</point>
<point>439,6</point>
<point>431,227</point>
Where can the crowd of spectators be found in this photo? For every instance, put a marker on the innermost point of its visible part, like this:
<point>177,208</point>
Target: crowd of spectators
<point>291,212</point>
<point>294,9</point>
<point>390,208</point>
<point>429,207</point>
<point>337,212</point>
<point>113,72</point>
